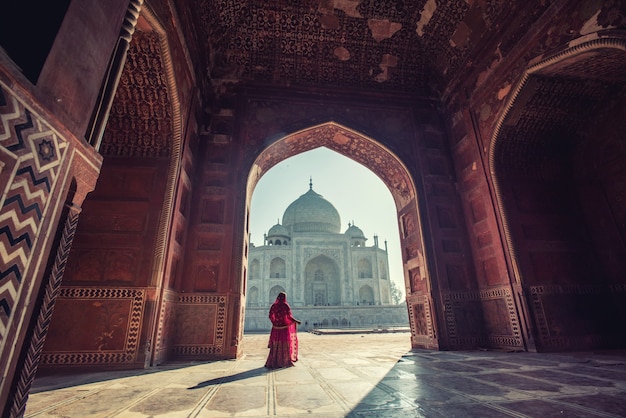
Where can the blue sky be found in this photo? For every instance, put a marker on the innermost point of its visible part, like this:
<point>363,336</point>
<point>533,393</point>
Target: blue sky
<point>358,194</point>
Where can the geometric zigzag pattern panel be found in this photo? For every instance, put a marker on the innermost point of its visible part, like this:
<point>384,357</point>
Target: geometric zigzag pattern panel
<point>30,156</point>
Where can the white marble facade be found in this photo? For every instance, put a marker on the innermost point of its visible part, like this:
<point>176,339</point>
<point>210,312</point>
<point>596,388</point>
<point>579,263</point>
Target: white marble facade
<point>321,269</point>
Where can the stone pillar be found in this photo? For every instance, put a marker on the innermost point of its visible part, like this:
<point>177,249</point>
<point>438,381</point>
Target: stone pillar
<point>37,333</point>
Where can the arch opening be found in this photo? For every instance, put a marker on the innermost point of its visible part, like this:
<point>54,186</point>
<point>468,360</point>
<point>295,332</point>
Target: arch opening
<point>558,181</point>
<point>396,178</point>
<point>322,282</point>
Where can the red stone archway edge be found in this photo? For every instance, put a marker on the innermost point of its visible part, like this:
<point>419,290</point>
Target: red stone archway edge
<point>390,169</point>
<point>348,143</point>
<point>589,47</point>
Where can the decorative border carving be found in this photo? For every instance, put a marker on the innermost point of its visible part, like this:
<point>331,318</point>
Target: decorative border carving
<point>560,342</point>
<point>429,340</point>
<point>452,299</point>
<point>175,163</point>
<point>32,153</point>
<point>449,301</point>
<point>33,354</point>
<point>334,253</point>
<point>169,297</point>
<point>585,44</point>
<point>346,142</point>
<point>203,350</point>
<point>134,327</point>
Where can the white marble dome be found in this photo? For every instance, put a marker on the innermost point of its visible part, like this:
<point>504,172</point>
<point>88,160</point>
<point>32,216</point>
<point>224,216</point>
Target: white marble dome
<point>354,232</point>
<point>278,230</point>
<point>312,213</point>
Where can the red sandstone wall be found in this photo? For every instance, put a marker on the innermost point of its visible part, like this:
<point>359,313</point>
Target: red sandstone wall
<point>451,289</point>
<point>47,120</point>
<point>551,235</point>
<point>437,269</point>
<point>106,305</point>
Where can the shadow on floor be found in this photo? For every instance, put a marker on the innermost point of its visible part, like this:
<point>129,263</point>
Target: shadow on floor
<point>499,384</point>
<point>232,378</point>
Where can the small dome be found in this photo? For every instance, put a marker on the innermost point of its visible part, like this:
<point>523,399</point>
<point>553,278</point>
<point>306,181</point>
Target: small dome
<point>278,231</point>
<point>354,231</point>
<point>312,213</point>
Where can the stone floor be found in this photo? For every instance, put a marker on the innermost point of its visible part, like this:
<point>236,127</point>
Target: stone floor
<point>354,375</point>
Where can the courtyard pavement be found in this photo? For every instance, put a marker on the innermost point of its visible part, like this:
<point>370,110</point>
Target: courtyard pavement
<point>349,375</point>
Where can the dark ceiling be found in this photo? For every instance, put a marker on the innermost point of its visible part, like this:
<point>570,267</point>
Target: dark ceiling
<point>419,47</point>
<point>410,46</point>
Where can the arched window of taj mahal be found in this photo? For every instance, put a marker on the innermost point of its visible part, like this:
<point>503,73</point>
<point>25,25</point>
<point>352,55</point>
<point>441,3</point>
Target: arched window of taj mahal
<point>319,296</point>
<point>321,282</point>
<point>366,295</point>
<point>253,296</point>
<point>274,291</point>
<point>255,268</point>
<point>278,268</point>
<point>365,268</point>
<point>382,270</point>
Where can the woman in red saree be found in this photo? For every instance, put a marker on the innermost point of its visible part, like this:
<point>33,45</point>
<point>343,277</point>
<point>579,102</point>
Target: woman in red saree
<point>283,342</point>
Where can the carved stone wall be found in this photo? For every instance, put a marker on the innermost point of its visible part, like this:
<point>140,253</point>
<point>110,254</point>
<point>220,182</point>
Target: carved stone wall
<point>200,327</point>
<point>113,249</point>
<point>103,326</point>
<point>42,167</point>
<point>33,155</point>
<point>493,97</point>
<point>140,123</point>
<point>426,200</point>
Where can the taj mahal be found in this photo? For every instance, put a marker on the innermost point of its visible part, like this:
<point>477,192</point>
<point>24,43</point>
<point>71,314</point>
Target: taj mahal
<point>332,279</point>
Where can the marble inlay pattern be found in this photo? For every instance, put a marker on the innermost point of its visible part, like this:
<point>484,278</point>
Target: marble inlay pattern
<point>31,156</point>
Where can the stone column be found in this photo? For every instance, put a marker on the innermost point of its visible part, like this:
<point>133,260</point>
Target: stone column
<point>39,329</point>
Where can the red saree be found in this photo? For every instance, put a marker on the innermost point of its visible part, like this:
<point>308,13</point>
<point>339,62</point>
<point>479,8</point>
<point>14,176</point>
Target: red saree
<point>283,343</point>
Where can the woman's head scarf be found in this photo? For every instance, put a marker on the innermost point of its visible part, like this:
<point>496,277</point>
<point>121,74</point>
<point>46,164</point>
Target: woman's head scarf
<point>282,297</point>
<point>280,312</point>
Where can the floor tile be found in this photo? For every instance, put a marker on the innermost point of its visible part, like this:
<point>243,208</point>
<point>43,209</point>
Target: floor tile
<point>379,377</point>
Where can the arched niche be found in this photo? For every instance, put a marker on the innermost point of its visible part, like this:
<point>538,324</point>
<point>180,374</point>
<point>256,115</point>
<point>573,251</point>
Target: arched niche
<point>253,296</point>
<point>322,282</point>
<point>364,268</point>
<point>366,295</point>
<point>391,170</point>
<point>255,269</point>
<point>274,291</point>
<point>556,161</point>
<point>278,268</point>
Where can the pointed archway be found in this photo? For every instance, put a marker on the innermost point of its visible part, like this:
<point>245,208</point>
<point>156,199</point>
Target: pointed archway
<point>322,283</point>
<point>559,186</point>
<point>390,169</point>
